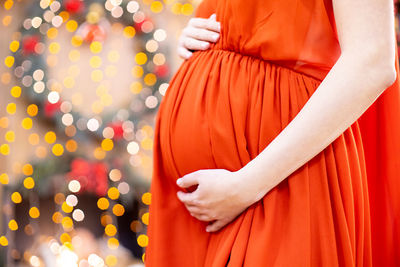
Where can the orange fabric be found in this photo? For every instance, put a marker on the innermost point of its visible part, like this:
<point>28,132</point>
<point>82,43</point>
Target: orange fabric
<point>226,104</point>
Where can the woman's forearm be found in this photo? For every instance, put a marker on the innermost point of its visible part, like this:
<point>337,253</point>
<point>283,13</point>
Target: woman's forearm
<point>350,87</point>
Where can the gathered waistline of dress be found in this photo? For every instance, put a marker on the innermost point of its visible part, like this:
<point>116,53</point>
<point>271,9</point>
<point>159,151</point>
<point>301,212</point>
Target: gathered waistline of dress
<point>265,61</point>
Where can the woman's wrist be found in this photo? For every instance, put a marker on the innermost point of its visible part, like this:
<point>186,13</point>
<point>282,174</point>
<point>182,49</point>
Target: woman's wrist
<point>251,185</point>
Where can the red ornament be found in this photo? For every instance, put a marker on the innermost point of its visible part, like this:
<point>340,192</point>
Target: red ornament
<point>161,71</point>
<point>29,43</point>
<point>92,176</point>
<point>92,32</point>
<point>118,130</point>
<point>74,6</point>
<point>50,109</point>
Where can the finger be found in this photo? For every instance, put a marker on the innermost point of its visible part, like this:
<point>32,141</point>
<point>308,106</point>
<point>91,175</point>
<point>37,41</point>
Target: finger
<point>193,44</point>
<point>205,24</point>
<point>215,226</point>
<point>201,34</point>
<point>188,179</point>
<point>184,53</point>
<point>201,217</point>
<point>213,16</point>
<point>194,208</point>
<point>187,198</point>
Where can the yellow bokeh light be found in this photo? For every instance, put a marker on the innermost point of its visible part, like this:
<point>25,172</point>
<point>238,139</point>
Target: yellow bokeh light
<point>113,243</point>
<point>71,145</point>
<point>111,260</point>
<point>103,203</point>
<point>27,123</point>
<point>9,61</point>
<point>140,58</point>
<point>27,169</point>
<point>137,71</point>
<point>96,47</point>
<point>76,40</point>
<point>16,197</point>
<point>145,218</point>
<point>97,107</point>
<point>66,208</point>
<point>99,153</point>
<point>71,25</point>
<point>67,223</point>
<point>118,210</point>
<point>176,8</point>
<point>13,225</point>
<point>64,15</point>
<point>150,79</point>
<point>52,33</point>
<point>8,4</point>
<point>29,183</point>
<point>34,212</point>
<point>57,217</point>
<point>95,61</point>
<point>4,179</point>
<point>59,198</point>
<point>32,110</point>
<point>10,136</point>
<point>113,193</point>
<point>74,55</point>
<point>14,45</point>
<point>54,47</point>
<point>33,139</point>
<point>5,149</point>
<point>3,241</point>
<point>65,238</point>
<point>129,31</point>
<point>146,198</point>
<point>11,108</point>
<point>97,75</point>
<point>69,82</point>
<point>107,144</point>
<point>156,7</point>
<point>110,230</point>
<point>16,91</point>
<point>105,219</point>
<point>7,20</point>
<point>106,99</point>
<point>57,149</point>
<point>187,9</point>
<point>50,137</point>
<point>143,240</point>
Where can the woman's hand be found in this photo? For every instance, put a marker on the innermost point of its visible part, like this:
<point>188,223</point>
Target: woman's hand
<point>221,195</point>
<point>197,35</point>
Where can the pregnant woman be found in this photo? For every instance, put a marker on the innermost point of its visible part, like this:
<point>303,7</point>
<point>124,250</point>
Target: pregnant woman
<point>261,157</point>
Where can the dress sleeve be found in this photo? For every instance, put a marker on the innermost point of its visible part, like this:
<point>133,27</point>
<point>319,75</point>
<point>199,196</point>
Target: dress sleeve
<point>206,8</point>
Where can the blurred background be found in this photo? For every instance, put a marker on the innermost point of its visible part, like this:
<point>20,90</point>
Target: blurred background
<point>81,82</point>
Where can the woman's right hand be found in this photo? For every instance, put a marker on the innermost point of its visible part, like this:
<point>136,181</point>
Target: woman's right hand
<point>198,35</point>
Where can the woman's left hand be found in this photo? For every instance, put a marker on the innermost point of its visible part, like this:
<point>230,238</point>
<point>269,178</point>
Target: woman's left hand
<point>221,195</point>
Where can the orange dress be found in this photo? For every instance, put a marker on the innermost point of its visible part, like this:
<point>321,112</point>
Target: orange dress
<point>226,104</point>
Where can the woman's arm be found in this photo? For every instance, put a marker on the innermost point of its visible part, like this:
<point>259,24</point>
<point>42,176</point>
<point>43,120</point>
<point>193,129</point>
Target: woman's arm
<point>364,70</point>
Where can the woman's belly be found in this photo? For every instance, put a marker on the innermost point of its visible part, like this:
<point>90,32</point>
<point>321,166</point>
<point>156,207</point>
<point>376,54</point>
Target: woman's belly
<point>217,100</point>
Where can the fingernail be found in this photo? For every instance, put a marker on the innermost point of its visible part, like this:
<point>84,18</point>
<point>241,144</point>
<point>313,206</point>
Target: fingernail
<point>207,230</point>
<point>205,45</point>
<point>178,182</point>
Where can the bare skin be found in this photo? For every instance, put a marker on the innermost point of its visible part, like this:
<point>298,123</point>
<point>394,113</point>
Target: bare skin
<point>363,71</point>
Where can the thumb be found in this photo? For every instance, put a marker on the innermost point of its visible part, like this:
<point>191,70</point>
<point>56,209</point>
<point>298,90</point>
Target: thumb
<point>213,16</point>
<point>187,180</point>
